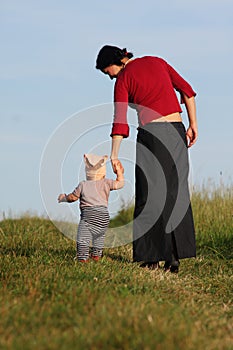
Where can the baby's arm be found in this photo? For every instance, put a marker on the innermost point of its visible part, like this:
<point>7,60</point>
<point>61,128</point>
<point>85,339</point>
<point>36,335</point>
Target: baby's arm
<point>118,168</point>
<point>67,198</point>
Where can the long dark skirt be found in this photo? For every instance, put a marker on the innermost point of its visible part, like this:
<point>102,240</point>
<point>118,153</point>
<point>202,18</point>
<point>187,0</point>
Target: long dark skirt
<point>163,220</point>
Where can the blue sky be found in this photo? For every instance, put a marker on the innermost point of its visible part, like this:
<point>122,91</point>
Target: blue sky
<point>47,75</point>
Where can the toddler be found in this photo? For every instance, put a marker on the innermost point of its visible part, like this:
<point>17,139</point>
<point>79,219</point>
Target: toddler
<point>93,195</point>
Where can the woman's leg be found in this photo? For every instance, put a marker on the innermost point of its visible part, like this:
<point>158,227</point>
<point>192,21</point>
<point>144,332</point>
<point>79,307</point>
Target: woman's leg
<point>165,204</point>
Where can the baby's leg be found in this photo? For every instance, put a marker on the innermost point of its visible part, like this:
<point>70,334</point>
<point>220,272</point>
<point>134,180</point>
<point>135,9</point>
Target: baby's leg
<point>98,243</point>
<point>83,240</point>
<point>98,232</point>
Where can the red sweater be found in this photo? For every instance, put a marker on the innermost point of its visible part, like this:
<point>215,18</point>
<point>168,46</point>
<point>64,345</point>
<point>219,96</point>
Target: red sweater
<point>147,84</point>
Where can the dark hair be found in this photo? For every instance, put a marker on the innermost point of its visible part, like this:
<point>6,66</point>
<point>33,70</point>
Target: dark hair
<point>109,55</point>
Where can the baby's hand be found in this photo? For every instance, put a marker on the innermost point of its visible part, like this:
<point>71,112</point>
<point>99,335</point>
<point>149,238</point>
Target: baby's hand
<point>61,198</point>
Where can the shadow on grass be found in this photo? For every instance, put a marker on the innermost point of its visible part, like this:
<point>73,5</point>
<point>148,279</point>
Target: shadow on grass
<point>117,257</point>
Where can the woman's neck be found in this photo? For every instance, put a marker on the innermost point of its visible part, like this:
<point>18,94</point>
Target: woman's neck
<point>126,60</point>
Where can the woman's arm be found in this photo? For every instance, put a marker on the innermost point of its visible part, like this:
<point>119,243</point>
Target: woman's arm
<point>116,142</point>
<point>192,131</point>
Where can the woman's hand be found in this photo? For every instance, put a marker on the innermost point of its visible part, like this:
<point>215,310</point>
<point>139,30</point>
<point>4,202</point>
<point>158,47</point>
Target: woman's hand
<point>119,168</point>
<point>115,164</point>
<point>119,171</point>
<point>191,135</point>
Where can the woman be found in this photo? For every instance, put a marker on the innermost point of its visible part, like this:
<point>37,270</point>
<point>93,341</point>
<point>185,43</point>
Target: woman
<point>163,221</point>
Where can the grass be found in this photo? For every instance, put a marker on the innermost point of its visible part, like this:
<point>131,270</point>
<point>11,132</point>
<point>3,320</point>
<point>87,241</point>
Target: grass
<point>48,301</point>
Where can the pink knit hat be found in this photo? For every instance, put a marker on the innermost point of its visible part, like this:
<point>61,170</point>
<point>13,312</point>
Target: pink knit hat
<point>95,165</point>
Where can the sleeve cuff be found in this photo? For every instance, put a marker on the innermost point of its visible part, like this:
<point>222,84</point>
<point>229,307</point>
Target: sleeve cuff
<point>120,129</point>
<point>189,93</point>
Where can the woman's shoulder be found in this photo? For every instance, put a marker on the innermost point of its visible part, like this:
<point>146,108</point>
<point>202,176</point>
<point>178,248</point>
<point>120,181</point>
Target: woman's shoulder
<point>140,62</point>
<point>148,58</point>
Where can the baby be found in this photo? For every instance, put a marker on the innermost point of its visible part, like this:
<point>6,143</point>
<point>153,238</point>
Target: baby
<point>93,195</point>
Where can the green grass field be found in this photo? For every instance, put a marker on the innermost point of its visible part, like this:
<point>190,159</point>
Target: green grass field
<point>48,301</point>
